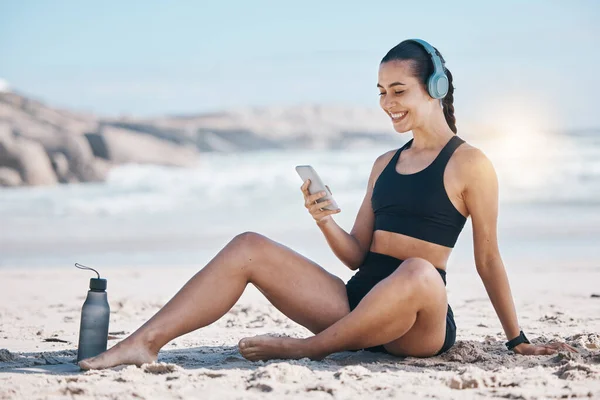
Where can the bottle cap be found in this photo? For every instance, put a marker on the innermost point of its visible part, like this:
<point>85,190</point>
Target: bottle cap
<point>98,284</point>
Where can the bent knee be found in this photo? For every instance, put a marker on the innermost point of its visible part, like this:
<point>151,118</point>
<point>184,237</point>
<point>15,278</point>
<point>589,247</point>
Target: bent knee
<point>251,246</point>
<point>418,270</point>
<point>250,240</point>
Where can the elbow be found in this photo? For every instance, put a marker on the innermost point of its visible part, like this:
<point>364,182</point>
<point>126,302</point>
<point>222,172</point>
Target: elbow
<point>353,267</point>
<point>487,264</point>
<point>356,256</point>
<point>356,261</point>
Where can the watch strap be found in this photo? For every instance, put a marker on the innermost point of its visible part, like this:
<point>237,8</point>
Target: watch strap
<point>511,344</point>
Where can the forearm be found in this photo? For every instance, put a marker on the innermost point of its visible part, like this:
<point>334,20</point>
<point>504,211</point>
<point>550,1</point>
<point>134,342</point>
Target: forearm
<point>495,280</point>
<point>343,245</point>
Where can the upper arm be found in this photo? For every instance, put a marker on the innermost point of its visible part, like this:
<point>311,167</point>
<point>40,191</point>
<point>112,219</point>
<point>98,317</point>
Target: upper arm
<point>362,230</point>
<point>481,199</point>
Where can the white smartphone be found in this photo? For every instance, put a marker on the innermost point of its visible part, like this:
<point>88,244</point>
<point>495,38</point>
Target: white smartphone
<point>316,185</point>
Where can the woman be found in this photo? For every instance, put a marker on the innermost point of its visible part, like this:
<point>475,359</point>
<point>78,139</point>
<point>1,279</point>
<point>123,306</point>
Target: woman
<point>417,201</point>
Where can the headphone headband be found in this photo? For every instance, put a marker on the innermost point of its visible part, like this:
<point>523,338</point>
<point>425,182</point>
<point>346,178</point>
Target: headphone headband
<point>437,83</point>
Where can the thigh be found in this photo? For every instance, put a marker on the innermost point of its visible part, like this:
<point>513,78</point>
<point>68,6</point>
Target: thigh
<point>428,333</point>
<point>295,285</point>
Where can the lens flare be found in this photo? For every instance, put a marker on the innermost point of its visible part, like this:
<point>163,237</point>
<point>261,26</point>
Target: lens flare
<point>520,139</point>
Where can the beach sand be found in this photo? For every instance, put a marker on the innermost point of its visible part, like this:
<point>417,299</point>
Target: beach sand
<point>39,323</point>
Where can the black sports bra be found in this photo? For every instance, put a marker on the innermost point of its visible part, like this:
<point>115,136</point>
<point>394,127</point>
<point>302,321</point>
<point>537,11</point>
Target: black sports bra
<point>417,205</point>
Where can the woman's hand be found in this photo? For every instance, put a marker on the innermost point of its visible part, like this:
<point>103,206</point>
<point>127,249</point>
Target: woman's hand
<point>315,209</point>
<point>542,349</point>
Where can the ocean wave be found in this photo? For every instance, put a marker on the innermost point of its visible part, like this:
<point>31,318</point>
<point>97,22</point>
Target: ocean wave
<point>561,170</point>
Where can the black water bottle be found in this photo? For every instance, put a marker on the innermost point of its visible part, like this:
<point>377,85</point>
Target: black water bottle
<point>95,315</point>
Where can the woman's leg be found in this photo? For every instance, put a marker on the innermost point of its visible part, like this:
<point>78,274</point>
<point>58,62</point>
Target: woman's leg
<point>298,287</point>
<point>406,312</point>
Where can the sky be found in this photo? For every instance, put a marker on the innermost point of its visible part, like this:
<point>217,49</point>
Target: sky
<point>513,62</point>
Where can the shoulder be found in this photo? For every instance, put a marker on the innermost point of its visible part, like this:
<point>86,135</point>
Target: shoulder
<point>385,158</point>
<point>379,165</point>
<point>472,163</point>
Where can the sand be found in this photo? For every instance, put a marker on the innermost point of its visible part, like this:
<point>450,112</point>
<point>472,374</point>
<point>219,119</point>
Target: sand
<point>39,322</point>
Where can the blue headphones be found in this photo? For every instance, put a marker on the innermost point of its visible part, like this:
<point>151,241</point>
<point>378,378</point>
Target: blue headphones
<point>437,84</point>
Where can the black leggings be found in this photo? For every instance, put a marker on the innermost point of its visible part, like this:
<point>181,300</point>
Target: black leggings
<point>374,269</point>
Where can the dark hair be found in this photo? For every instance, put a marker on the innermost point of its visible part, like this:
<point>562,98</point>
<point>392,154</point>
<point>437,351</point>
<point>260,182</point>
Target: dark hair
<point>422,67</point>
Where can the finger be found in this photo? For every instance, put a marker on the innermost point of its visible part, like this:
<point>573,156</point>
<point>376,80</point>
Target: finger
<point>562,346</point>
<point>315,207</point>
<point>573,349</point>
<point>568,347</point>
<point>318,207</point>
<point>310,199</point>
<point>328,189</point>
<point>556,345</point>
<point>305,185</point>
<point>307,202</point>
<point>314,197</point>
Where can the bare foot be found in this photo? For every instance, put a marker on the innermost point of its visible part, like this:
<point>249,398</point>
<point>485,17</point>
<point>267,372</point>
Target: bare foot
<point>266,347</point>
<point>125,352</point>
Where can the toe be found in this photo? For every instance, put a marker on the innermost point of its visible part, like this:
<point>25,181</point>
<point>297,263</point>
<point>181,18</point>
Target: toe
<point>85,364</point>
<point>247,343</point>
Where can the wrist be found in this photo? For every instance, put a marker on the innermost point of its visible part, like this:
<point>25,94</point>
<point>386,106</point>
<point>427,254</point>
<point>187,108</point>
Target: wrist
<point>324,221</point>
<point>513,343</point>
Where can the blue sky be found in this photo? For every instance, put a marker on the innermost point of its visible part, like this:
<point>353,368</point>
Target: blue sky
<point>510,59</point>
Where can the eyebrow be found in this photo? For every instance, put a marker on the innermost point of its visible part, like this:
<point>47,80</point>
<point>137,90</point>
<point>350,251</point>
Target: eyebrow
<point>391,85</point>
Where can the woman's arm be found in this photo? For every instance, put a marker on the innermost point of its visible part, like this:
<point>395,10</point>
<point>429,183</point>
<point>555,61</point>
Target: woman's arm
<point>352,247</point>
<point>345,246</point>
<point>481,197</point>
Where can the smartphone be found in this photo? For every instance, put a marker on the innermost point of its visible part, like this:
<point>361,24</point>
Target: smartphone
<point>316,185</point>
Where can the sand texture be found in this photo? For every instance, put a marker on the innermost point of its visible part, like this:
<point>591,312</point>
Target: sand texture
<point>39,323</point>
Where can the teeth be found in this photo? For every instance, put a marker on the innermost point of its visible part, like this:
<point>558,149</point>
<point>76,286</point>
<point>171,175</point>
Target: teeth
<point>397,115</point>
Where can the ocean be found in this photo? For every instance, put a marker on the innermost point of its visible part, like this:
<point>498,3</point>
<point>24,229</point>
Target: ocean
<point>146,215</point>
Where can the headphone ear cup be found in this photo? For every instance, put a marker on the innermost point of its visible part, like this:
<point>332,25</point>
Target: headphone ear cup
<point>437,86</point>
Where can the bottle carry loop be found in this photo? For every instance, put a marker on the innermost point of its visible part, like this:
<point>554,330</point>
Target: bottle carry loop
<point>95,283</point>
<point>80,266</point>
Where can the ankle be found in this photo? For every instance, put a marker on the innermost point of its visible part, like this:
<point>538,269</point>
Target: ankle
<point>310,348</point>
<point>149,340</point>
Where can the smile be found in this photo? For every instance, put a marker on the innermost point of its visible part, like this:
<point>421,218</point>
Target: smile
<point>398,116</point>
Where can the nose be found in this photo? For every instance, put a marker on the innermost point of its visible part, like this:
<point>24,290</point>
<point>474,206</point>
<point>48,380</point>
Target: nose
<point>387,103</point>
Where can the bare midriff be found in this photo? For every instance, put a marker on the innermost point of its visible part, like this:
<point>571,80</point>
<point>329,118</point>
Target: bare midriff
<point>404,247</point>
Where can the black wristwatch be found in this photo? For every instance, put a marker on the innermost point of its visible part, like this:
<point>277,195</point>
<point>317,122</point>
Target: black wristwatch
<point>511,344</point>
